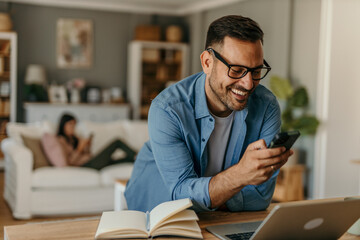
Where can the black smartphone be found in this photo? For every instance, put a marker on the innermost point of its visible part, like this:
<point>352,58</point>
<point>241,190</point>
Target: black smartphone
<point>284,139</point>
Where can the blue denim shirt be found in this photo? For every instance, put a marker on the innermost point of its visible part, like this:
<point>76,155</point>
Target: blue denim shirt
<point>171,165</point>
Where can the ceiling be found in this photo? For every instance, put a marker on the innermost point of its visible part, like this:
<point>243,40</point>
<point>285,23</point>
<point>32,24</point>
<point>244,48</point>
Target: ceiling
<point>165,7</point>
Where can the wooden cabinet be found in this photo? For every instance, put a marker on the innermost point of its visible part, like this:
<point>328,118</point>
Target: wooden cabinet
<point>82,111</point>
<point>289,185</point>
<point>153,66</point>
<point>8,82</point>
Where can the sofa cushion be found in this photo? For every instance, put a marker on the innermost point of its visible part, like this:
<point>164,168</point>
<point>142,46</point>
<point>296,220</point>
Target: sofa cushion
<point>103,133</point>
<point>35,130</point>
<point>65,177</point>
<point>39,157</point>
<point>109,174</point>
<point>53,150</point>
<point>133,133</point>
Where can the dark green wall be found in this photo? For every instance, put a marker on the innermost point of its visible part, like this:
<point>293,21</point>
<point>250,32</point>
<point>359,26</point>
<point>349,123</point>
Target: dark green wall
<point>36,29</point>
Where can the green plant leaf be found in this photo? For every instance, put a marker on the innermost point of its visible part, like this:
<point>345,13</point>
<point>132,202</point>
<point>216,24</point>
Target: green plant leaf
<point>281,87</point>
<point>300,98</point>
<point>306,125</point>
<point>287,115</point>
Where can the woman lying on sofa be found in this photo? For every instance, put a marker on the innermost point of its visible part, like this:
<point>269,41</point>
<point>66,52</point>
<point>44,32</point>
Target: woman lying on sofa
<point>66,149</point>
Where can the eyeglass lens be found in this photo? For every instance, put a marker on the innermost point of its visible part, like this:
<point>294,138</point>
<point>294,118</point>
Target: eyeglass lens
<point>239,72</point>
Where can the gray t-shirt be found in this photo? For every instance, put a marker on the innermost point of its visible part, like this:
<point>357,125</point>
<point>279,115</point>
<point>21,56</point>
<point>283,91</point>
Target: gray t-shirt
<point>217,144</point>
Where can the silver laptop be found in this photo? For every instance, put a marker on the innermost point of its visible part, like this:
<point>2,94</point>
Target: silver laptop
<point>322,219</point>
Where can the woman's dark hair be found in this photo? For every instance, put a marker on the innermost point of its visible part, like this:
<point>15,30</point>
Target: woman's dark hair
<point>234,26</point>
<point>61,132</point>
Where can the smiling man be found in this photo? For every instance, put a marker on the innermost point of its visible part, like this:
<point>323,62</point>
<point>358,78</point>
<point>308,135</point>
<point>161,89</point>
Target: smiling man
<point>209,132</point>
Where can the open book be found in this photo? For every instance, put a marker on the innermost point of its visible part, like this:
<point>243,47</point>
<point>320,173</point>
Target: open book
<point>168,218</point>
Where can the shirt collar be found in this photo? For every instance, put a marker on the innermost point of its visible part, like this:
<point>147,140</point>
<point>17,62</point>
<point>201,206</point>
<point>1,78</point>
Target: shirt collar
<point>201,108</point>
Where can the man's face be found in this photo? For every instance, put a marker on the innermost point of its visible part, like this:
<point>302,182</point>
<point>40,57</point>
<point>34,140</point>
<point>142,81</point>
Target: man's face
<point>225,94</point>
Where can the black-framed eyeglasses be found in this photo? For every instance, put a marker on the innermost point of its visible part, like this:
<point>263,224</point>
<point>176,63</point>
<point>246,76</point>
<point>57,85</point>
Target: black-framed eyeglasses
<point>239,71</point>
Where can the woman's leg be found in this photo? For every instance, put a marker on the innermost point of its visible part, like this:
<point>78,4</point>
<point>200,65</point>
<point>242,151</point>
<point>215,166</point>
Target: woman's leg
<point>103,159</point>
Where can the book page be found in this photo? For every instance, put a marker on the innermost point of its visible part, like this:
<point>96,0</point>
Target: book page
<point>182,228</point>
<point>184,215</point>
<point>121,223</point>
<point>165,210</point>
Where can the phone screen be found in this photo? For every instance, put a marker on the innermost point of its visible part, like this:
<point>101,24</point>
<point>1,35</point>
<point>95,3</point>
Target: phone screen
<point>284,139</point>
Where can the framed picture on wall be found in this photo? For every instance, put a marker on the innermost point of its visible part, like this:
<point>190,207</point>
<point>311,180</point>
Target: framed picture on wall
<point>74,43</point>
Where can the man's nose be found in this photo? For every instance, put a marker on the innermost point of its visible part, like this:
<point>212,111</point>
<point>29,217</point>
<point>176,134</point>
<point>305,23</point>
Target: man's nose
<point>247,81</point>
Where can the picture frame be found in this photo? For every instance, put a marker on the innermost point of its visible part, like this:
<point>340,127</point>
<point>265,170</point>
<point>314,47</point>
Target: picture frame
<point>74,43</point>
<point>57,94</point>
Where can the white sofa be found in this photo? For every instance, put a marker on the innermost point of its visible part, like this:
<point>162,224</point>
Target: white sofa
<point>65,190</point>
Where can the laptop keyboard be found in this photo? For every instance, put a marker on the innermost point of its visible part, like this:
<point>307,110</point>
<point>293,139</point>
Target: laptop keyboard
<point>240,236</point>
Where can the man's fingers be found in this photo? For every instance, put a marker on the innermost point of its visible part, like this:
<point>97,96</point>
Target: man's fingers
<point>276,160</point>
<point>270,152</point>
<point>259,144</point>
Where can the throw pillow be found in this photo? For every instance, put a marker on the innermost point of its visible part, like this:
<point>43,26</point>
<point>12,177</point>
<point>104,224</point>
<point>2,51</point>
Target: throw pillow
<point>53,150</point>
<point>34,145</point>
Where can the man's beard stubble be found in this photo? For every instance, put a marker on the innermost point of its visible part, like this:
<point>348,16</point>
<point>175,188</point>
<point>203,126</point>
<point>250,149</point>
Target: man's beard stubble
<point>225,98</point>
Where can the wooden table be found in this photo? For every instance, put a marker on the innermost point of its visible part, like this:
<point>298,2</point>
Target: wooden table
<point>85,229</point>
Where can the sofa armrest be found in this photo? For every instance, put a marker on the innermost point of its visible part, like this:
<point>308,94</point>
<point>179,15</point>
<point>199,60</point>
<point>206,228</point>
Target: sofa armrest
<point>18,175</point>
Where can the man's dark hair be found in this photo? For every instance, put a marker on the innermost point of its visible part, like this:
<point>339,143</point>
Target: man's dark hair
<point>234,26</point>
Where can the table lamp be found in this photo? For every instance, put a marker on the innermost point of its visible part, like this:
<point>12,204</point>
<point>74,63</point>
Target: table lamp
<point>35,80</point>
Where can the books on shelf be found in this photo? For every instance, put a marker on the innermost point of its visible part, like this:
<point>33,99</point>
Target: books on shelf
<point>4,107</point>
<point>167,219</point>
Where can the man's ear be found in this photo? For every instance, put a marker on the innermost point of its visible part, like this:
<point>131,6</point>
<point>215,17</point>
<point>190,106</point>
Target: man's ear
<point>207,62</point>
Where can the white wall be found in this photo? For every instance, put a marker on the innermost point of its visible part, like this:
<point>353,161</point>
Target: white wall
<point>339,139</point>
<point>303,70</point>
<point>273,17</point>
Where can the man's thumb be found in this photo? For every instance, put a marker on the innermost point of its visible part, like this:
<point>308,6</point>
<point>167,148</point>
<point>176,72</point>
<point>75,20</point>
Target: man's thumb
<point>259,144</point>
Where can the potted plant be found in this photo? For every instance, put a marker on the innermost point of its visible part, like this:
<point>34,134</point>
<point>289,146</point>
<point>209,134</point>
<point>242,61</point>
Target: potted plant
<point>294,114</point>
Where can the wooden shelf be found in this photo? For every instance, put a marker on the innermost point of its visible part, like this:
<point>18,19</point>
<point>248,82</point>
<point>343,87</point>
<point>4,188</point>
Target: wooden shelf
<point>5,75</point>
<point>152,65</point>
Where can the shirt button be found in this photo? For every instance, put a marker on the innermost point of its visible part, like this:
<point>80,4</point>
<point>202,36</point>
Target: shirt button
<point>203,139</point>
<point>211,119</point>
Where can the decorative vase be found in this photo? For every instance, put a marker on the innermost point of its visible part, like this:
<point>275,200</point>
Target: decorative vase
<point>5,22</point>
<point>75,95</point>
<point>173,34</point>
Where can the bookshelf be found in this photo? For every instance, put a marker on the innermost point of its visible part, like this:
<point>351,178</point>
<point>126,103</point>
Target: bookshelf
<point>152,66</point>
<point>8,82</point>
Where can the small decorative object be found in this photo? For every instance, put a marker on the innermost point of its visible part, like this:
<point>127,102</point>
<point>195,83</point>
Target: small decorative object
<point>173,33</point>
<point>74,43</point>
<point>35,80</point>
<point>116,95</point>
<point>5,22</point>
<point>151,55</point>
<point>93,95</point>
<point>74,95</point>
<point>5,89</point>
<point>106,95</point>
<point>74,88</point>
<point>148,33</point>
<point>57,94</point>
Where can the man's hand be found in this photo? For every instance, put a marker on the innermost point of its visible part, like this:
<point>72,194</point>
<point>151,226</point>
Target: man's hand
<point>258,162</point>
<point>255,167</point>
